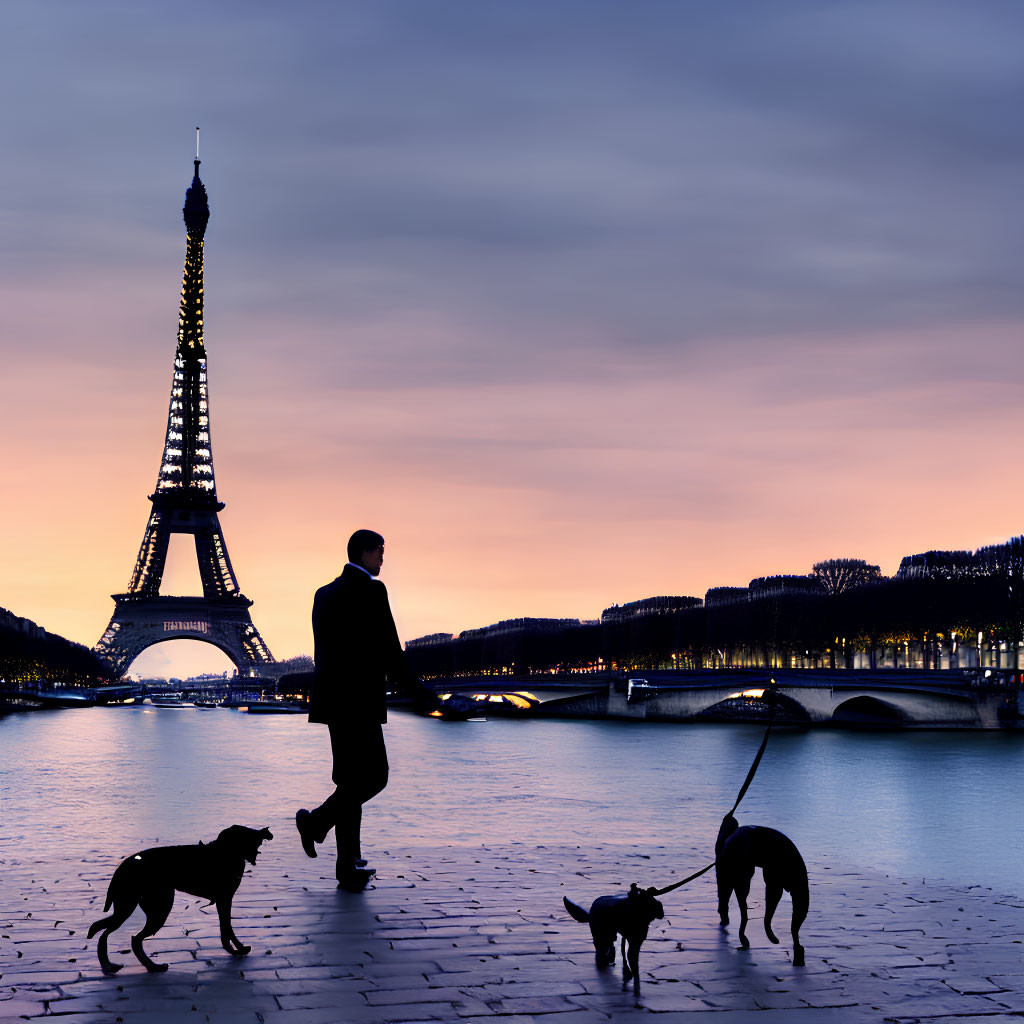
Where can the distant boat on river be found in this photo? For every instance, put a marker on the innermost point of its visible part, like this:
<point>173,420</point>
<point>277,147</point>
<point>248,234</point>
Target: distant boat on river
<point>170,700</point>
<point>275,707</point>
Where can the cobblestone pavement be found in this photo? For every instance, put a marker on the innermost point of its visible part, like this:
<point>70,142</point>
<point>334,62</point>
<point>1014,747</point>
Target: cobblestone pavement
<point>477,934</point>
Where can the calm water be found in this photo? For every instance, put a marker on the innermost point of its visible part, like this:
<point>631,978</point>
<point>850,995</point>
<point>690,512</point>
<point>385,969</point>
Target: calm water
<point>935,805</point>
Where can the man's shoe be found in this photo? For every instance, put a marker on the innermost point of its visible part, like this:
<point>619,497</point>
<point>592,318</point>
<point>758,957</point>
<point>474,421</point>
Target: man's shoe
<point>305,827</point>
<point>355,879</point>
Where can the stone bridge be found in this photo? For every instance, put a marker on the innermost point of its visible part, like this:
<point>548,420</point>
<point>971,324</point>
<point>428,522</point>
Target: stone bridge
<point>902,699</point>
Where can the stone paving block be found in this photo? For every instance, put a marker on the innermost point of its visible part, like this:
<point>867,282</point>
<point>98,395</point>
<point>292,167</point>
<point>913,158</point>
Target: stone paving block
<point>974,986</point>
<point>516,989</point>
<point>97,1017</point>
<point>1012,1001</point>
<point>347,1014</point>
<point>538,1005</point>
<point>389,997</point>
<point>304,972</point>
<point>19,1007</point>
<point>995,1018</point>
<point>18,978</point>
<point>382,969</point>
<point>504,1020</point>
<point>350,992</point>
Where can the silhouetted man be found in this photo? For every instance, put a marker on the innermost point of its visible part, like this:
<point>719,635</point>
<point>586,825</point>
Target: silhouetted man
<point>357,659</point>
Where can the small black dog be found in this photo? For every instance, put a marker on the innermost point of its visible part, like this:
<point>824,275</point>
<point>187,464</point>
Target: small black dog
<point>738,851</point>
<point>630,916</point>
<point>148,879</point>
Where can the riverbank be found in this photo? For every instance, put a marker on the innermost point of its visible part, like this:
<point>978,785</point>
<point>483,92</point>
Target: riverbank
<point>478,933</point>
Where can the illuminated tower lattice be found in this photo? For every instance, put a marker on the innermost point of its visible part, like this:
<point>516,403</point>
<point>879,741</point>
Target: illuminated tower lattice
<point>185,501</point>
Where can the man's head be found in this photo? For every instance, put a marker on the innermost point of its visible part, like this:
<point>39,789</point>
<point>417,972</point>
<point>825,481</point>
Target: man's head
<point>366,548</point>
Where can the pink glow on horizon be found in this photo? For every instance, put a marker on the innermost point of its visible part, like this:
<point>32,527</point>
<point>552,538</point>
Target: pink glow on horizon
<point>555,497</point>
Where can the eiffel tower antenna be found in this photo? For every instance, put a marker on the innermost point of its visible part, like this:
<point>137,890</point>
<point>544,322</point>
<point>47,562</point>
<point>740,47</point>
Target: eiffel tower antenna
<point>185,501</point>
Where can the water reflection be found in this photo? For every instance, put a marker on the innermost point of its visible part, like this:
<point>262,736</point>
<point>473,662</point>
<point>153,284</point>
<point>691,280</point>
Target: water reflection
<point>937,805</point>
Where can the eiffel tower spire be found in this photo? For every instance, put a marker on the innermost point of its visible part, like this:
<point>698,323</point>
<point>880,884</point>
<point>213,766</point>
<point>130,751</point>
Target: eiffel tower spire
<point>185,500</point>
<point>187,464</point>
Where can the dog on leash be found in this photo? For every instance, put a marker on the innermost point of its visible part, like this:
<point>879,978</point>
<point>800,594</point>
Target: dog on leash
<point>148,879</point>
<point>629,915</point>
<point>738,851</point>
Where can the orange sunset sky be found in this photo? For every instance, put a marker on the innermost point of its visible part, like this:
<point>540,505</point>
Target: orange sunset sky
<point>574,306</point>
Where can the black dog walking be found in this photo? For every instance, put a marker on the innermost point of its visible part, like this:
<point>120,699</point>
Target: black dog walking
<point>148,879</point>
<point>738,851</point>
<point>629,915</point>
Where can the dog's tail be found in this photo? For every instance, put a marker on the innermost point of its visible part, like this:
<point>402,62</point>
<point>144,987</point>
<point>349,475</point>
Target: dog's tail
<point>103,921</point>
<point>576,911</point>
<point>122,869</point>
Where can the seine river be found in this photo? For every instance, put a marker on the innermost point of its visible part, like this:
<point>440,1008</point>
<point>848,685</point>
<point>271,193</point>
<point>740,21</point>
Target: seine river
<point>936,805</point>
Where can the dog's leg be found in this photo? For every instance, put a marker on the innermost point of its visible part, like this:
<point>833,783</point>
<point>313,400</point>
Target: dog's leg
<point>123,908</point>
<point>631,956</point>
<point>106,964</point>
<point>122,911</point>
<point>772,895</point>
<point>109,924</point>
<point>156,905</point>
<point>742,887</point>
<point>604,945</point>
<point>724,892</point>
<point>228,939</point>
<point>801,899</point>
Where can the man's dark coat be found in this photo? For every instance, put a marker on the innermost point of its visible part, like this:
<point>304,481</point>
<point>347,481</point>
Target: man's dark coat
<point>356,651</point>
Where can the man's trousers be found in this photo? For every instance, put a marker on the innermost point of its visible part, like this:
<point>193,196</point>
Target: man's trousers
<point>360,772</point>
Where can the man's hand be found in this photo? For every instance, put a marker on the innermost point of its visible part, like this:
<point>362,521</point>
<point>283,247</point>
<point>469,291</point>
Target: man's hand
<point>424,700</point>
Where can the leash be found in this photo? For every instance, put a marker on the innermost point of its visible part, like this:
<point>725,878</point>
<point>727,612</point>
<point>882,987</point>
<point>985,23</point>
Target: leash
<point>757,759</point>
<point>742,793</point>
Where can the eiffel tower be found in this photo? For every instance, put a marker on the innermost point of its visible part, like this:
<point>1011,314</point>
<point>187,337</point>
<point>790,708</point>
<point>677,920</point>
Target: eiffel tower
<point>185,501</point>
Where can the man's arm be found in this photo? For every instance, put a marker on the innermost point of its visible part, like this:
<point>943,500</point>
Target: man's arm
<point>399,674</point>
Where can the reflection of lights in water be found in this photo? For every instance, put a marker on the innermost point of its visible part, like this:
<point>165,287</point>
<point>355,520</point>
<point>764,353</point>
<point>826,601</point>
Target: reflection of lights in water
<point>745,693</point>
<point>520,699</point>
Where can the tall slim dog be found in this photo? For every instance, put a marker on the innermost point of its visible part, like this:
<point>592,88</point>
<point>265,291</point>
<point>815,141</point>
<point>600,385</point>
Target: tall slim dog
<point>629,915</point>
<point>738,851</point>
<point>149,878</point>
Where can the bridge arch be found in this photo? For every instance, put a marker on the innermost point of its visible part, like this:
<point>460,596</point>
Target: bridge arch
<point>868,713</point>
<point>740,707</point>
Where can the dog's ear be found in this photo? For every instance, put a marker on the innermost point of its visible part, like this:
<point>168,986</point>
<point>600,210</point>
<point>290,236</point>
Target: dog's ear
<point>265,835</point>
